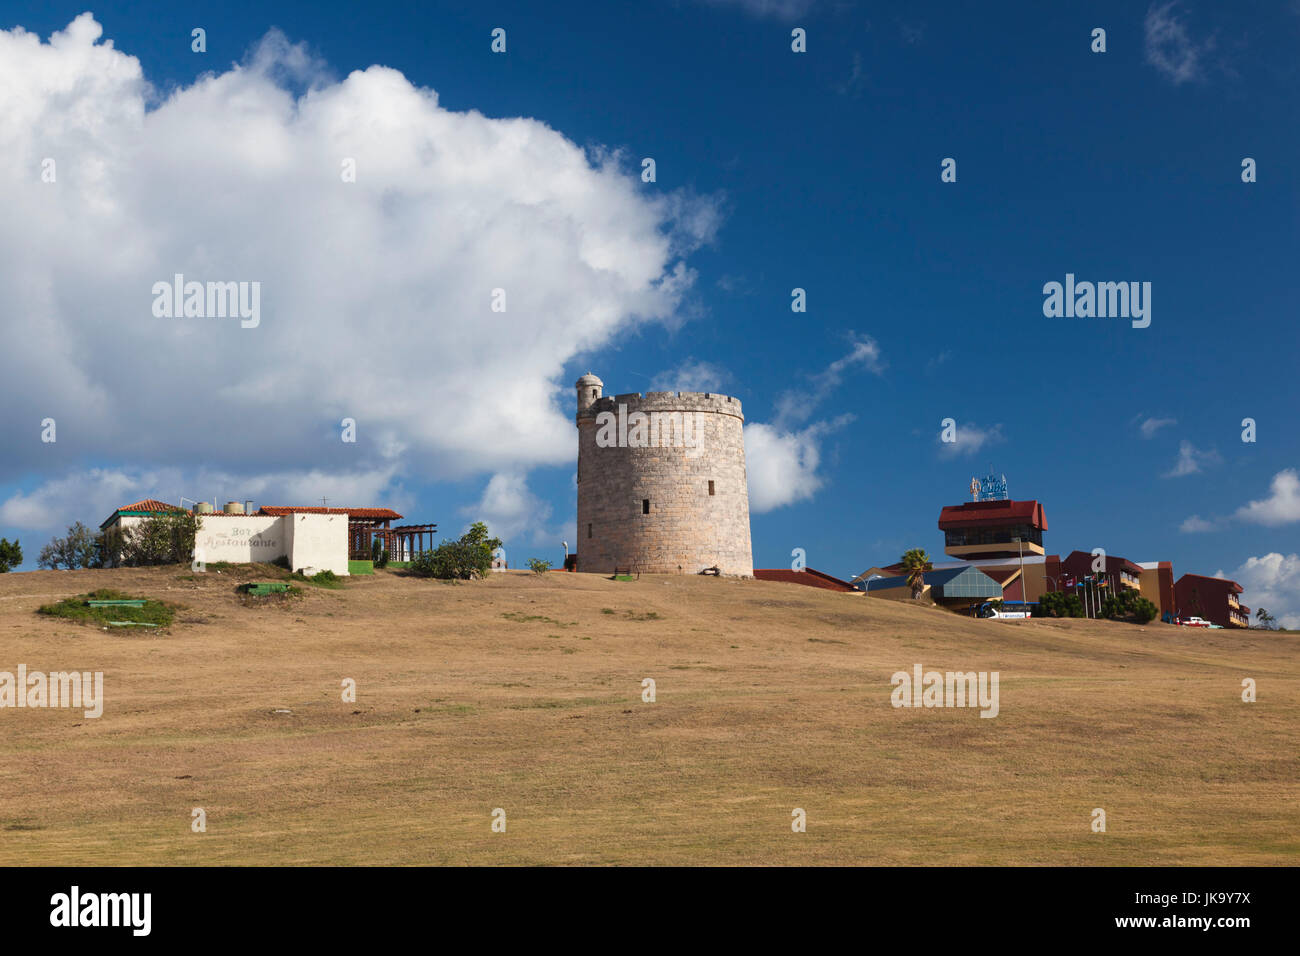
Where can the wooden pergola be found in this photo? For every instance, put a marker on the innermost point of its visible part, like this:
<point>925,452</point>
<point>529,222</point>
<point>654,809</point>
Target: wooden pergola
<point>361,532</point>
<point>405,541</point>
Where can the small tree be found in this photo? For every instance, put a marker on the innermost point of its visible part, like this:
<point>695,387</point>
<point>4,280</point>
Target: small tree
<point>11,555</point>
<point>1128,604</point>
<point>1264,619</point>
<point>79,549</point>
<point>467,558</point>
<point>916,562</point>
<point>1144,611</point>
<point>538,566</point>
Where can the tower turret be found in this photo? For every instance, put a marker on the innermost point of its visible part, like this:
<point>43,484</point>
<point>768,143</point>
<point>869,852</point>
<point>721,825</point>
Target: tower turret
<point>589,389</point>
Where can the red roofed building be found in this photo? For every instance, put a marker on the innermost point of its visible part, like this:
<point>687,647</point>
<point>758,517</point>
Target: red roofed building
<point>809,577</point>
<point>988,529</point>
<point>1214,599</point>
<point>1118,572</point>
<point>239,534</point>
<point>148,508</point>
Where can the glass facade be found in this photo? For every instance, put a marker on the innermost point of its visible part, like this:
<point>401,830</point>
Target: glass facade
<point>1006,534</point>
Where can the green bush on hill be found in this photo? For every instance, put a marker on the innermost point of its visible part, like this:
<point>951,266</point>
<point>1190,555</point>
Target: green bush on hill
<point>465,559</point>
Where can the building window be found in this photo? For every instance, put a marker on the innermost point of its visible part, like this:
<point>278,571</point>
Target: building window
<point>588,529</point>
<point>645,506</point>
<point>710,487</point>
<point>1003,535</point>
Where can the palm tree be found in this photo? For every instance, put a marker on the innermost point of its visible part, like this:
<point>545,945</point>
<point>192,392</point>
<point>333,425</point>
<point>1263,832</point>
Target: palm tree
<point>916,562</point>
<point>1265,619</point>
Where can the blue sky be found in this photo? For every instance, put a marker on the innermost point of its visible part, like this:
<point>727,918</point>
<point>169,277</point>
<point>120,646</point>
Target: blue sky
<point>775,170</point>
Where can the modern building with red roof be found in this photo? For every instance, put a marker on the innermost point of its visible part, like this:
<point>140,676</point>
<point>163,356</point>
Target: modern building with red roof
<point>989,529</point>
<point>1116,571</point>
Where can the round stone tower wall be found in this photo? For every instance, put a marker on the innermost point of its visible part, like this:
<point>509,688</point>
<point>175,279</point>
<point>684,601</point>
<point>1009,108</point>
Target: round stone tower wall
<point>661,483</point>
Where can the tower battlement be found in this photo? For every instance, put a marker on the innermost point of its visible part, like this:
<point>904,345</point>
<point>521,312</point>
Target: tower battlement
<point>665,402</point>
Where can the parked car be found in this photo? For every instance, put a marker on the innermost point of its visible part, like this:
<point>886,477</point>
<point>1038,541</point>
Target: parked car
<point>1193,622</point>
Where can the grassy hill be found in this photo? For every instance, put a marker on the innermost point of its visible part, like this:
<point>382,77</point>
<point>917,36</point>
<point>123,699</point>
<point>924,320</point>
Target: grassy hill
<point>524,693</point>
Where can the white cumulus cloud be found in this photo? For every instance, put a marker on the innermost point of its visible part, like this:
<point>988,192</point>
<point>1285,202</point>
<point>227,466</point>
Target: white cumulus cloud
<point>1273,583</point>
<point>1282,506</point>
<point>375,294</point>
<point>781,464</point>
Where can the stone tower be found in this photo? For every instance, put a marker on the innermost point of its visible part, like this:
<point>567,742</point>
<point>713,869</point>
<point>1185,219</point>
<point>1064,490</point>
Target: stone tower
<point>661,482</point>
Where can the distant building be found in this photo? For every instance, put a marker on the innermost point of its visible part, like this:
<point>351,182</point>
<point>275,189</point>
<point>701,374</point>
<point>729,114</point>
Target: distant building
<point>1157,583</point>
<point>1214,599</point>
<point>983,534</point>
<point>134,513</point>
<point>990,529</point>
<point>304,536</point>
<point>1118,573</point>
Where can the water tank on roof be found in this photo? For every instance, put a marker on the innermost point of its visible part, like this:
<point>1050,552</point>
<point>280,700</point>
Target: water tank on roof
<point>233,508</point>
<point>203,507</point>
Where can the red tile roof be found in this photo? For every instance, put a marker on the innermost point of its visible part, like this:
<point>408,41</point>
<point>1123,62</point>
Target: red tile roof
<point>808,576</point>
<point>150,504</point>
<point>990,513</point>
<point>278,510</point>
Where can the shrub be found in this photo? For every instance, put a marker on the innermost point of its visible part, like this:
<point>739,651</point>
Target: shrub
<point>11,554</point>
<point>322,579</point>
<point>1128,605</point>
<point>1144,611</point>
<point>467,558</point>
<point>538,566</point>
<point>1061,604</point>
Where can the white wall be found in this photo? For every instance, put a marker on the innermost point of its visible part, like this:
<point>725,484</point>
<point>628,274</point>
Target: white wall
<point>317,541</point>
<point>240,539</point>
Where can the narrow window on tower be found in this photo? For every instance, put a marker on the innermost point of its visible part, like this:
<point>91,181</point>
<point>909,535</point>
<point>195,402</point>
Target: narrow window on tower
<point>588,529</point>
<point>710,487</point>
<point>645,506</point>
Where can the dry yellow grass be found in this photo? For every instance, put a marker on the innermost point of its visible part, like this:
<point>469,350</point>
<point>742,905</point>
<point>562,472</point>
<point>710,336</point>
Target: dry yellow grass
<point>522,692</point>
